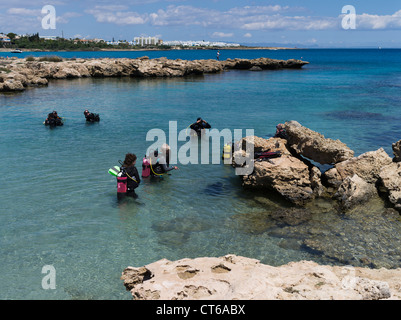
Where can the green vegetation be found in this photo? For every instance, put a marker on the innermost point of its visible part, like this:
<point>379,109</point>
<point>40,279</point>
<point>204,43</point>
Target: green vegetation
<point>51,58</point>
<point>35,42</point>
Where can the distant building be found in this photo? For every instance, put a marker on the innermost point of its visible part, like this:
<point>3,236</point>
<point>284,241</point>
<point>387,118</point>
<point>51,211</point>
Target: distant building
<point>4,38</point>
<point>146,41</point>
<point>49,37</point>
<point>198,43</point>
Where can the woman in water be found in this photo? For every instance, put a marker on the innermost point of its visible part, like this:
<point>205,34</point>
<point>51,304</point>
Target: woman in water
<point>128,178</point>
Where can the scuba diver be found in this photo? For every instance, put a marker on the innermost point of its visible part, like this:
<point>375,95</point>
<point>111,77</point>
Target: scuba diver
<point>280,132</point>
<point>128,178</point>
<point>158,162</point>
<point>91,117</point>
<point>199,126</point>
<point>53,120</point>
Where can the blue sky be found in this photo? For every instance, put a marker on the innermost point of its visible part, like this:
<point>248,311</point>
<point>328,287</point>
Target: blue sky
<point>308,23</point>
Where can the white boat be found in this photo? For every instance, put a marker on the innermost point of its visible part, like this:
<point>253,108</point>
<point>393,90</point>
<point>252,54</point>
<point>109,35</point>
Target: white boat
<point>16,51</point>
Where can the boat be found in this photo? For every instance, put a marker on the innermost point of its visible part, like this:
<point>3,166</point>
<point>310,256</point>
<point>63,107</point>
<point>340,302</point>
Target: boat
<point>16,51</point>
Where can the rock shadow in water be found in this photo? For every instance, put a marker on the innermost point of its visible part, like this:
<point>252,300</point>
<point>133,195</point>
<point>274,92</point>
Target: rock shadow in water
<point>177,231</point>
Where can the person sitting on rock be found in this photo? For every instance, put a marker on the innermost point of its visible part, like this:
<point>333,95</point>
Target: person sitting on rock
<point>280,132</point>
<point>91,117</point>
<point>199,126</point>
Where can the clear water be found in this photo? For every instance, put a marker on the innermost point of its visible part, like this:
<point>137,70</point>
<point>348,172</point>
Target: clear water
<point>58,203</point>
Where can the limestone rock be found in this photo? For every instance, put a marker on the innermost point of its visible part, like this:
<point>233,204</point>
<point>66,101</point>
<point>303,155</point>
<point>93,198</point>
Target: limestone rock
<point>315,146</point>
<point>367,166</point>
<point>21,72</point>
<point>390,180</point>
<point>286,175</point>
<point>397,151</point>
<point>233,277</point>
<point>353,191</point>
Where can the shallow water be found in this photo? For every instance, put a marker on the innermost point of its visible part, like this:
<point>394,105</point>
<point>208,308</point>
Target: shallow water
<point>59,204</point>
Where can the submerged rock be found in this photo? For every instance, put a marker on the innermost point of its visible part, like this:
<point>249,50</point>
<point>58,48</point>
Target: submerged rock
<point>234,277</point>
<point>354,191</point>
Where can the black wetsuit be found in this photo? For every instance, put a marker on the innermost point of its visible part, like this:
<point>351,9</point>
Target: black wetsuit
<point>53,120</point>
<point>132,174</point>
<point>91,117</point>
<point>199,126</point>
<point>160,167</point>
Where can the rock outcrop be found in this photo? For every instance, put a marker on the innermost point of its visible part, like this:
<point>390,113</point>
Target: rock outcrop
<point>291,177</point>
<point>314,145</point>
<point>354,191</point>
<point>17,74</point>
<point>352,180</point>
<point>390,183</point>
<point>397,151</point>
<point>238,278</point>
<point>367,166</point>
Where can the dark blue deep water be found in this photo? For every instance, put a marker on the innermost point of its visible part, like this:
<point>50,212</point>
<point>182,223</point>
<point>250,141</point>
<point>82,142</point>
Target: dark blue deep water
<point>58,203</point>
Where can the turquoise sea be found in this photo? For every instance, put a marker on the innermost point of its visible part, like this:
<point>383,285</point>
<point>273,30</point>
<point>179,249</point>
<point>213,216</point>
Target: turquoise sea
<point>58,203</point>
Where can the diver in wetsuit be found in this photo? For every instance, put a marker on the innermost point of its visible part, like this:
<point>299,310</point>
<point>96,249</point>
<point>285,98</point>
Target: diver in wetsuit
<point>91,117</point>
<point>53,119</point>
<point>159,164</point>
<point>199,126</point>
<point>129,176</point>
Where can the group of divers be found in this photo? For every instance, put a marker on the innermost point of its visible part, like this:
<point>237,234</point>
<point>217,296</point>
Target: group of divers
<point>54,120</point>
<point>157,164</point>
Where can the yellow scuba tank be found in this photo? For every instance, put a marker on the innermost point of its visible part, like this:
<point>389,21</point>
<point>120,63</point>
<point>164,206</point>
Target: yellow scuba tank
<point>227,151</point>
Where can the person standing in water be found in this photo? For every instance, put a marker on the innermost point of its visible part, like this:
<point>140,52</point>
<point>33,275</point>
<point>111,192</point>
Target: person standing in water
<point>199,126</point>
<point>159,163</point>
<point>218,55</point>
<point>128,178</point>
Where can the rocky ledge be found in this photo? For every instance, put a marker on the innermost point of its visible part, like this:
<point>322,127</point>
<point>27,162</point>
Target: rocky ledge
<point>351,180</point>
<point>18,74</point>
<point>238,278</point>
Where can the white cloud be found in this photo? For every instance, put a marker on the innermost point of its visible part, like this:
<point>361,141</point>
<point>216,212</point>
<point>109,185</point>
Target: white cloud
<point>222,35</point>
<point>270,17</point>
<point>377,22</point>
<point>24,12</point>
<point>247,35</point>
<point>117,14</point>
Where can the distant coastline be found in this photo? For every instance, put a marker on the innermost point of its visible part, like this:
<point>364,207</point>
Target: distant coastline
<point>162,49</point>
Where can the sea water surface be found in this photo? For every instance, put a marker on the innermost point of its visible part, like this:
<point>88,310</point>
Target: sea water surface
<point>58,203</point>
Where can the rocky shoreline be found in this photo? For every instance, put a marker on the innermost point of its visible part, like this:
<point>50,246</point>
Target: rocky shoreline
<point>351,180</point>
<point>19,74</point>
<point>233,277</point>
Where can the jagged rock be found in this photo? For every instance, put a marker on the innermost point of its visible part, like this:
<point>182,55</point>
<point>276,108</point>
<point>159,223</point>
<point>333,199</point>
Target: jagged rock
<point>293,178</point>
<point>367,166</point>
<point>233,277</point>
<point>20,72</point>
<point>315,146</point>
<point>397,151</point>
<point>353,191</point>
<point>390,181</point>
<point>286,175</point>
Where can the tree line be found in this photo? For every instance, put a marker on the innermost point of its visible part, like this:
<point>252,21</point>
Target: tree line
<point>33,41</point>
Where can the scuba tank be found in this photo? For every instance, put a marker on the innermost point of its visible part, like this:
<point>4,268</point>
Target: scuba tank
<point>121,183</point>
<point>145,167</point>
<point>114,171</point>
<point>227,152</point>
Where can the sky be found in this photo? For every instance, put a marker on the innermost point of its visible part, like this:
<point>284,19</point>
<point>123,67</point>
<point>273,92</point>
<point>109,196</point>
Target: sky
<point>307,23</point>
